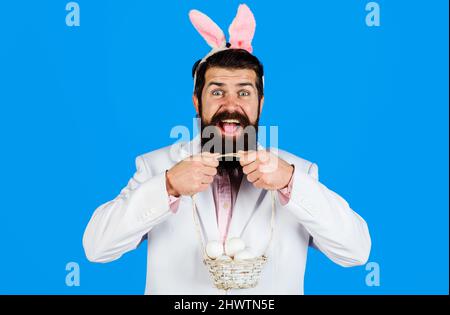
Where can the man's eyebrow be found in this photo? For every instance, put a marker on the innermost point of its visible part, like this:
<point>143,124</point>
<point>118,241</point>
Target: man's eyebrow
<point>237,84</point>
<point>246,84</point>
<point>215,83</point>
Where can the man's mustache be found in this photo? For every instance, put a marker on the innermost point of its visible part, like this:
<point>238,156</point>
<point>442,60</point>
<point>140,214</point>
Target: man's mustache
<point>213,141</point>
<point>242,118</point>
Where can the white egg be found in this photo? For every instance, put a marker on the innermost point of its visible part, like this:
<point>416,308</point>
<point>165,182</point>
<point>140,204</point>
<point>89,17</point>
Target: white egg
<point>244,254</point>
<point>234,245</point>
<point>214,249</point>
<point>224,258</point>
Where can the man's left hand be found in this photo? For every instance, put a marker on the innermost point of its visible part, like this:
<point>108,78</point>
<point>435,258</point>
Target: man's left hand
<point>265,170</point>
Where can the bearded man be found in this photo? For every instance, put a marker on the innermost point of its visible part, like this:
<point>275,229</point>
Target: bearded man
<point>239,187</point>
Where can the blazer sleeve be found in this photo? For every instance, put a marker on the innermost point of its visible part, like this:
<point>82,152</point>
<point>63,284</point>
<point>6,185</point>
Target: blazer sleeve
<point>118,226</point>
<point>336,230</point>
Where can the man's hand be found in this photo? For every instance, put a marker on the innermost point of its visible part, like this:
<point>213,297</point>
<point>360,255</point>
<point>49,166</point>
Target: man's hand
<point>265,170</point>
<point>192,175</point>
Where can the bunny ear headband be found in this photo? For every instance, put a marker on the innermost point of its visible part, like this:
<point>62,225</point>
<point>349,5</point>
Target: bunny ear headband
<point>241,32</point>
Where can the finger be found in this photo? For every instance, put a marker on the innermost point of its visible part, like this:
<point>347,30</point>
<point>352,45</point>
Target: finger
<point>247,157</point>
<point>204,159</point>
<point>209,170</point>
<point>269,167</point>
<point>210,158</point>
<point>259,184</point>
<point>207,179</point>
<point>210,162</point>
<point>264,156</point>
<point>193,158</point>
<point>203,187</point>
<point>209,155</point>
<point>203,156</point>
<point>249,168</point>
<point>252,177</point>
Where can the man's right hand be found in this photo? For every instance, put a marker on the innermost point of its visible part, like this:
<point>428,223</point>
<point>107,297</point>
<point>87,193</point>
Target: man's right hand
<point>192,175</point>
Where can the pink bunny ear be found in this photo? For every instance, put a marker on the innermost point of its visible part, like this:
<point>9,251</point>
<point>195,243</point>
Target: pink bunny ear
<point>207,28</point>
<point>242,29</point>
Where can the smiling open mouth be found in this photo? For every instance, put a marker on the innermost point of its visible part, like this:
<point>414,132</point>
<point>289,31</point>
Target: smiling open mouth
<point>229,127</point>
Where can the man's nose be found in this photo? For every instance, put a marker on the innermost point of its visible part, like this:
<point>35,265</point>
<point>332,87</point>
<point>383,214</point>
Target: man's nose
<point>230,102</point>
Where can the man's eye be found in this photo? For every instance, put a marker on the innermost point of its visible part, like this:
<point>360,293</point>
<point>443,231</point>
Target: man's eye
<point>217,92</point>
<point>244,93</point>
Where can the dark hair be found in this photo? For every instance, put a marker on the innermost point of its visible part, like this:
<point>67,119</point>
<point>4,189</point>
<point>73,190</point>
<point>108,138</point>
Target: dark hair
<point>231,59</point>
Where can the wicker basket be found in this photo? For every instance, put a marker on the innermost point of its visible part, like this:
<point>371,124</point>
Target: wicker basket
<point>231,274</point>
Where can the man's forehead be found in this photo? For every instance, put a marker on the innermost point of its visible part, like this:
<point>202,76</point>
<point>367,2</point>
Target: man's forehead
<point>229,75</point>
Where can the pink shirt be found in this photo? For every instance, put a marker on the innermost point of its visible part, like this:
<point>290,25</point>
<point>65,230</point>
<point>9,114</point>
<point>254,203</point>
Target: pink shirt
<point>225,189</point>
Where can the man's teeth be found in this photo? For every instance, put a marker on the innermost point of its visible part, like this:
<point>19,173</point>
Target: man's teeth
<point>230,121</point>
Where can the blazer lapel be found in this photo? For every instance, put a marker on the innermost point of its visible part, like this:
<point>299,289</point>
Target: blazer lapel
<point>207,214</point>
<point>248,201</point>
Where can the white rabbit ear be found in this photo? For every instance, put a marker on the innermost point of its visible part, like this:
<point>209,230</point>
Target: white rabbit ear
<point>209,30</point>
<point>242,29</point>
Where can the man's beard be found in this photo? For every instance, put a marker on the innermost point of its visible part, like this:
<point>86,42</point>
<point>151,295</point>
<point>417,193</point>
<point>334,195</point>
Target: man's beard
<point>213,141</point>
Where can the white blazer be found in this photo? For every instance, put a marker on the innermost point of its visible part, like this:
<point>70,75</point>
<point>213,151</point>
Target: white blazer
<point>313,216</point>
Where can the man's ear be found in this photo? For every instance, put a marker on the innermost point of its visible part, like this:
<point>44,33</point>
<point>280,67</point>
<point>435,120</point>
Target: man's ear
<point>195,101</point>
<point>261,105</point>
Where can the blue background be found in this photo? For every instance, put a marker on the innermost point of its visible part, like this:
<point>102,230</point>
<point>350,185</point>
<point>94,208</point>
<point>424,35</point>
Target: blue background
<point>78,104</point>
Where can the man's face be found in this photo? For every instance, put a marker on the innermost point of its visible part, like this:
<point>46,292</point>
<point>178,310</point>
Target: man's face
<point>229,104</point>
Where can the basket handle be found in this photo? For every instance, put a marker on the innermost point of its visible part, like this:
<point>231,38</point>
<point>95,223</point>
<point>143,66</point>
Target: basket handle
<point>197,225</point>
